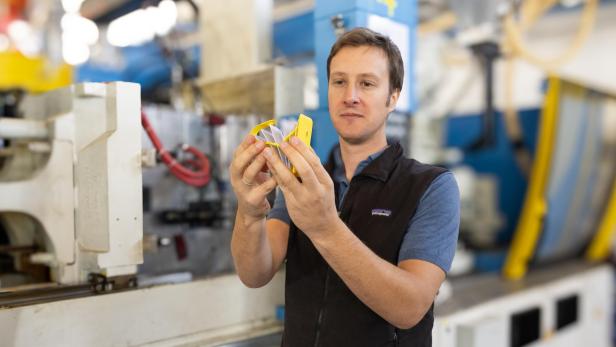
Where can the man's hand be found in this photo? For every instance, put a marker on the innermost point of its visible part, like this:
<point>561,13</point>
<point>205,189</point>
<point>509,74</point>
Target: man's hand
<point>249,183</point>
<point>310,202</point>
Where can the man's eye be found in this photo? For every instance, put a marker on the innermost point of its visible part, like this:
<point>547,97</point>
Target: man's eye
<point>338,82</point>
<point>367,84</point>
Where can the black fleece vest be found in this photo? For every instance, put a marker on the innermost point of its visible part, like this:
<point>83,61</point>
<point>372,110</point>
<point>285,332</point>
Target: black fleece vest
<point>320,310</point>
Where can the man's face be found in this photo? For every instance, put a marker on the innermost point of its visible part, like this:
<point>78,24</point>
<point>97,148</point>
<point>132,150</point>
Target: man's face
<point>358,93</point>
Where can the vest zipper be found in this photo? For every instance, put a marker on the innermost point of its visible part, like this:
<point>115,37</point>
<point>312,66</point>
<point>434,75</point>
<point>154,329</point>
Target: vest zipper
<point>327,275</point>
<point>395,338</point>
<point>320,316</point>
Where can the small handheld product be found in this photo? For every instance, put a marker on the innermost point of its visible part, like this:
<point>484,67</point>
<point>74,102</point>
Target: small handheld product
<point>269,133</point>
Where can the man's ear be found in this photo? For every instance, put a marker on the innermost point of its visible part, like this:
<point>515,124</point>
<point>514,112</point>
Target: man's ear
<point>393,100</point>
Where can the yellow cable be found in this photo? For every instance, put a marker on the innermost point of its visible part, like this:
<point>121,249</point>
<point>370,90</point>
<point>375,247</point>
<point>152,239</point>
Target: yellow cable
<point>535,207</point>
<point>601,244</point>
<point>532,10</point>
<point>513,47</point>
<point>514,33</point>
<point>442,22</point>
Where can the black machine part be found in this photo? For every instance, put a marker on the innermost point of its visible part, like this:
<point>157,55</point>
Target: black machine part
<point>487,53</point>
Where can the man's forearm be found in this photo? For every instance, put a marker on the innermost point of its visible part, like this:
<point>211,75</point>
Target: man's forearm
<point>251,251</point>
<point>388,290</point>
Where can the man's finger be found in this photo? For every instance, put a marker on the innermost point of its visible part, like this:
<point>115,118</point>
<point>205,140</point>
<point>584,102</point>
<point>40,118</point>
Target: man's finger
<point>244,159</point>
<point>251,172</point>
<point>248,140</point>
<point>273,174</point>
<point>283,175</point>
<point>301,165</point>
<point>312,159</point>
<point>266,187</point>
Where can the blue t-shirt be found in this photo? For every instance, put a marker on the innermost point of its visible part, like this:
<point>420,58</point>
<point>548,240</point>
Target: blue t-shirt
<point>432,233</point>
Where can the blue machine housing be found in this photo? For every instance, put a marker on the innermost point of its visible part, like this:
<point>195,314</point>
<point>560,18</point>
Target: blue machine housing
<point>294,38</point>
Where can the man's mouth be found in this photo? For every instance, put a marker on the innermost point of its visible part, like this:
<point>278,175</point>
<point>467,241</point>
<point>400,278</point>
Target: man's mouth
<point>350,115</point>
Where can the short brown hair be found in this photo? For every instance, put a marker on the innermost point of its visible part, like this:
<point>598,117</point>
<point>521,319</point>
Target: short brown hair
<point>366,37</point>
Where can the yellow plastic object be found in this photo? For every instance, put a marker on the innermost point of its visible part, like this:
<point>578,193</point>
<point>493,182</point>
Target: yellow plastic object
<point>600,246</point>
<point>303,131</point>
<point>262,126</point>
<point>35,75</point>
<point>535,205</point>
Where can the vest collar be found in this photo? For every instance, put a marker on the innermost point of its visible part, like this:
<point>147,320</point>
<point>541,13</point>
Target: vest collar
<point>380,168</point>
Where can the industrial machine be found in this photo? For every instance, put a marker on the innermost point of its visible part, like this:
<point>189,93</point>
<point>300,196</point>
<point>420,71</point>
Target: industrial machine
<point>73,229</point>
<point>535,279</point>
<point>78,151</point>
<point>115,235</point>
<point>550,296</point>
<point>158,244</point>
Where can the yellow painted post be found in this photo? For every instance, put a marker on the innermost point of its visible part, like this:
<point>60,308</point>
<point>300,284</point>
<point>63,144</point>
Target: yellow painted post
<point>600,246</point>
<point>535,207</point>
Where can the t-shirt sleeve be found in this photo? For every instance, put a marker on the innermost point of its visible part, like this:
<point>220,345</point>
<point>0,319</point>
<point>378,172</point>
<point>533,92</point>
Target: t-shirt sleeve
<point>279,210</point>
<point>432,233</point>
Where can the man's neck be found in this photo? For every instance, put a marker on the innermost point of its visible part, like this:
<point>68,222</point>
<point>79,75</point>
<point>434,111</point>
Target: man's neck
<point>353,154</point>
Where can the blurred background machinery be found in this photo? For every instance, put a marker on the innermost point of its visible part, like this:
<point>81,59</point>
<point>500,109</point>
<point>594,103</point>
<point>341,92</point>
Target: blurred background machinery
<point>517,98</point>
<point>71,186</point>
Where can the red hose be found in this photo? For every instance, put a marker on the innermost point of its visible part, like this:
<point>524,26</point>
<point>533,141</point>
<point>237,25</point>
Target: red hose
<point>197,178</point>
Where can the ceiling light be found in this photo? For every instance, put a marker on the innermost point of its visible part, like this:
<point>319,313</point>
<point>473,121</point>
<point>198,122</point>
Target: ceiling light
<point>24,38</point>
<point>73,52</point>
<point>72,6</point>
<point>19,30</point>
<point>4,43</point>
<point>167,15</point>
<point>80,28</point>
<point>142,25</point>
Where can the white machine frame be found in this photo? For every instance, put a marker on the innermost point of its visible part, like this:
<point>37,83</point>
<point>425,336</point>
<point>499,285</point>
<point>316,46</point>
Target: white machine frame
<point>87,197</point>
<point>206,312</point>
<point>488,322</point>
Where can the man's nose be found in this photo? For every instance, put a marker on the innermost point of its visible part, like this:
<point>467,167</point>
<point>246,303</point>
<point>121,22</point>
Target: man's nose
<point>351,97</point>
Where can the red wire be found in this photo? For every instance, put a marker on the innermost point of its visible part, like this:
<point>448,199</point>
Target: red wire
<point>197,178</point>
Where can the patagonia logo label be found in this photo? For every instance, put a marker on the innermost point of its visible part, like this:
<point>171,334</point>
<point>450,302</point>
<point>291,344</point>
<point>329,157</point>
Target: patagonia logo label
<point>381,212</point>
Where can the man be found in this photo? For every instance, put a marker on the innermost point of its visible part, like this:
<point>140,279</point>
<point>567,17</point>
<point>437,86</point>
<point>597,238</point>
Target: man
<point>365,259</point>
